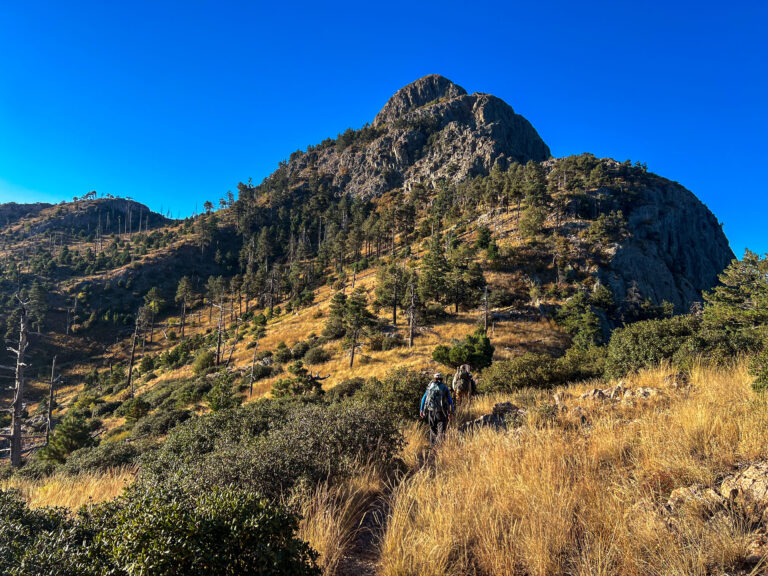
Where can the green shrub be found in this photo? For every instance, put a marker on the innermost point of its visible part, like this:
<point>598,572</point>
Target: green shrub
<point>273,447</point>
<point>542,371</point>
<point>528,370</point>
<point>317,355</point>
<point>223,396</point>
<point>483,237</point>
<point>299,350</point>
<point>649,342</point>
<point>282,353</point>
<point>163,530</point>
<point>476,350</point>
<point>147,364</point>
<point>157,530</point>
<point>392,342</point>
<point>345,389</point>
<point>106,408</point>
<point>301,382</point>
<point>758,367</point>
<point>203,363</point>
<point>160,422</point>
<point>104,456</point>
<point>71,433</point>
<point>134,409</point>
<point>398,394</point>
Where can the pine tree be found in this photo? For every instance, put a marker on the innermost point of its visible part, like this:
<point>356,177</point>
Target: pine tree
<point>391,283</point>
<point>37,305</point>
<point>432,281</point>
<point>357,320</point>
<point>334,326</point>
<point>738,307</point>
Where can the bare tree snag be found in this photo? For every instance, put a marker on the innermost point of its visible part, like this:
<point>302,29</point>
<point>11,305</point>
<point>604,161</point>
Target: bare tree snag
<point>411,314</point>
<point>18,398</point>
<point>253,365</point>
<point>49,421</point>
<point>133,354</point>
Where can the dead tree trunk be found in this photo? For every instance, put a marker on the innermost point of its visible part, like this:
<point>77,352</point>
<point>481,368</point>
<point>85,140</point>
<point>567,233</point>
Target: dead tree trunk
<point>17,407</point>
<point>183,316</point>
<point>49,422</point>
<point>411,315</point>
<point>485,310</point>
<point>133,355</point>
<point>220,306</point>
<point>234,345</point>
<point>253,365</point>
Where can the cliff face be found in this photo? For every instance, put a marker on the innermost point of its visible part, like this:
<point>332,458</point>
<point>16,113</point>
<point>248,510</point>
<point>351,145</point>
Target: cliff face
<point>675,248</point>
<point>429,130</point>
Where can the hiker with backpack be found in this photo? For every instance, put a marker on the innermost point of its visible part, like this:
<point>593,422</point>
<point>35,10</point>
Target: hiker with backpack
<point>464,386</point>
<point>437,407</point>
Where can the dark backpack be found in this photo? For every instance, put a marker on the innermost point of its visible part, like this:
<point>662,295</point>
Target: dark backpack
<point>464,382</point>
<point>437,400</point>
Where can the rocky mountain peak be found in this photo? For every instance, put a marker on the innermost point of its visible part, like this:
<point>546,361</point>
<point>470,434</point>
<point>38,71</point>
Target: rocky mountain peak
<point>430,130</point>
<point>416,94</point>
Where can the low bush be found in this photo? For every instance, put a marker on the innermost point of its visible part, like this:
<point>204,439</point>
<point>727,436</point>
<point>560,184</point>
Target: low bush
<point>299,350</point>
<point>476,350</point>
<point>72,433</point>
<point>649,342</point>
<point>345,389</point>
<point>204,362</point>
<point>542,371</point>
<point>159,423</point>
<point>106,408</point>
<point>317,355</point>
<point>275,447</point>
<point>397,394</point>
<point>151,529</point>
<point>528,370</point>
<point>282,353</point>
<point>104,456</point>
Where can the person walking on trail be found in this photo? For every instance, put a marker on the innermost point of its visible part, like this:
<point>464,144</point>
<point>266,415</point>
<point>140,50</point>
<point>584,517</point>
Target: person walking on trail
<point>437,408</point>
<point>464,386</point>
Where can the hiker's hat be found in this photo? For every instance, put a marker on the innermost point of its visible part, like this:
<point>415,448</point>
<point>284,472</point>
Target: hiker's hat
<point>438,376</point>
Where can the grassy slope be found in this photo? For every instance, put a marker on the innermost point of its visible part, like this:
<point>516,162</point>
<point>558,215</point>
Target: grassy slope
<point>554,496</point>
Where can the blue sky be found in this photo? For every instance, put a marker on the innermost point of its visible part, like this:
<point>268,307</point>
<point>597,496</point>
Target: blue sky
<point>174,103</point>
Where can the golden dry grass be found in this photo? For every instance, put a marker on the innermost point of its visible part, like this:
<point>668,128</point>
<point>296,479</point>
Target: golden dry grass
<point>558,498</point>
<point>332,517</point>
<point>72,491</point>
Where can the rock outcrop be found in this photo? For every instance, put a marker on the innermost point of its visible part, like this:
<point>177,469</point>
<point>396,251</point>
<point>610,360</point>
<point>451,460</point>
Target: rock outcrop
<point>429,130</point>
<point>503,414</point>
<point>674,249</point>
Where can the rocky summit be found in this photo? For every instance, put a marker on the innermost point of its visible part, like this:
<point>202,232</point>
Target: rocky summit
<point>428,131</point>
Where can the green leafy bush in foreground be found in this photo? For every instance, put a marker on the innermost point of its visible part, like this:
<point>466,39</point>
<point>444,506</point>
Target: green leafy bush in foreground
<point>158,530</point>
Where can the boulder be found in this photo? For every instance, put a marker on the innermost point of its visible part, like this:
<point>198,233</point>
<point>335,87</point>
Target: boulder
<point>501,414</point>
<point>594,394</point>
<point>561,397</point>
<point>704,501</point>
<point>642,393</point>
<point>749,490</point>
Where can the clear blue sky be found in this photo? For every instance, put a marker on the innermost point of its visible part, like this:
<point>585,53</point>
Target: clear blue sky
<point>174,103</point>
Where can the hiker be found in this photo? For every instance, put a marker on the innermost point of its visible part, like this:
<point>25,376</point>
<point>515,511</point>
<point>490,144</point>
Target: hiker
<point>464,386</point>
<point>437,407</point>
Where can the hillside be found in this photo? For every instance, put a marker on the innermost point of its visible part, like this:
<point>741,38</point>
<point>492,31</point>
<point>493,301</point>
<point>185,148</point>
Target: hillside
<point>271,354</point>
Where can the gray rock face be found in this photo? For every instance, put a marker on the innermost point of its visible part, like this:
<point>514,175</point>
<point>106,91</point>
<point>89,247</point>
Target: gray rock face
<point>675,248</point>
<point>429,130</point>
<point>417,94</point>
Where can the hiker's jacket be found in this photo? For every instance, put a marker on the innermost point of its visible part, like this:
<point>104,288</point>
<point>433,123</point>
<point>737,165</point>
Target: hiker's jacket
<point>443,390</point>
